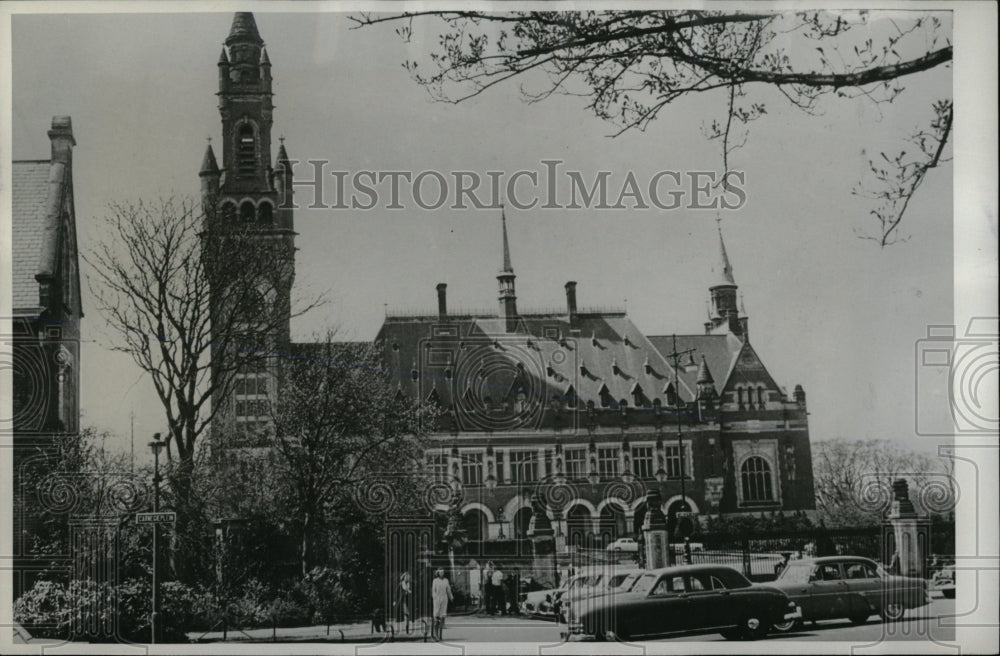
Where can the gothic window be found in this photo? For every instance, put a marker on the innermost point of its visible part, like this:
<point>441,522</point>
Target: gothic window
<point>250,393</point>
<point>265,213</point>
<point>761,397</point>
<point>246,151</point>
<point>523,466</point>
<point>739,398</point>
<point>755,476</point>
<point>607,462</point>
<point>472,469</point>
<point>247,212</point>
<point>672,455</point>
<point>642,461</point>
<point>576,463</point>
<point>671,395</point>
<point>229,211</point>
<point>437,466</point>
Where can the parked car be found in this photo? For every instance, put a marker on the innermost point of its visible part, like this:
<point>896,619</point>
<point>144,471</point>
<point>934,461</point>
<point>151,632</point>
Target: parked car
<point>594,582</point>
<point>685,598</point>
<point>541,603</point>
<point>623,544</point>
<point>849,587</point>
<point>943,578</point>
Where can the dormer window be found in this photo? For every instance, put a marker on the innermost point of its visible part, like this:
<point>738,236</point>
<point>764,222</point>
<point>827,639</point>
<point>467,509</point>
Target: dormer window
<point>246,151</point>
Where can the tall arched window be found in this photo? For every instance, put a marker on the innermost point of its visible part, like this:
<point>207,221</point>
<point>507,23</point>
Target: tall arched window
<point>246,150</point>
<point>247,212</point>
<point>266,213</point>
<point>755,475</point>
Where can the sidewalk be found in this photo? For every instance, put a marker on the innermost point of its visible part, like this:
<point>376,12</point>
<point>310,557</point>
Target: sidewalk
<point>353,633</point>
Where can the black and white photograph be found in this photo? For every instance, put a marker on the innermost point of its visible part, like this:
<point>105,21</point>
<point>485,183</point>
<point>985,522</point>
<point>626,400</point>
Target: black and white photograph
<point>582,327</point>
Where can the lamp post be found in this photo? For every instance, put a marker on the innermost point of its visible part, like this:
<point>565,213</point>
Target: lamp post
<point>156,445</point>
<point>676,355</point>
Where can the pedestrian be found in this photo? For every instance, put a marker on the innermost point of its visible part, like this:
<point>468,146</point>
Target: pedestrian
<point>488,587</point>
<point>403,600</point>
<point>513,583</point>
<point>441,595</point>
<point>498,595</point>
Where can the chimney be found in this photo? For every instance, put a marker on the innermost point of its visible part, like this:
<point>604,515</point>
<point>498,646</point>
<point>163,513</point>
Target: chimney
<point>571,300</point>
<point>442,300</point>
<point>61,136</point>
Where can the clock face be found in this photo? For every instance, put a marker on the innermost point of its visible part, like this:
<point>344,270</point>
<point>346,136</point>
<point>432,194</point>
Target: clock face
<point>499,385</point>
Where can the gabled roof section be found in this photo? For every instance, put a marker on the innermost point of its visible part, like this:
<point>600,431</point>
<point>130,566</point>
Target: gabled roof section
<point>720,352</point>
<point>43,235</point>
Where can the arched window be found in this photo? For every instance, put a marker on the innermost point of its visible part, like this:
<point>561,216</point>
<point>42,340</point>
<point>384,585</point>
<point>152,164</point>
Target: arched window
<point>755,475</point>
<point>247,212</point>
<point>265,213</point>
<point>246,150</point>
<point>229,211</point>
<point>761,396</point>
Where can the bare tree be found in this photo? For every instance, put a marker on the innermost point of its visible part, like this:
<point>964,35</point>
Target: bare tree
<point>170,290</point>
<point>630,65</point>
<point>853,480</point>
<point>338,423</point>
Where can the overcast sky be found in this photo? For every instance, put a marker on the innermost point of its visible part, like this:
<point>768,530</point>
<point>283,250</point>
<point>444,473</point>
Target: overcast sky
<point>829,311</point>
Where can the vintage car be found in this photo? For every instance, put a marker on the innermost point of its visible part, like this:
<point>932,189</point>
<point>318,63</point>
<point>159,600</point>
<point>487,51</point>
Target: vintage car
<point>543,603</point>
<point>623,544</point>
<point>594,582</point>
<point>851,587</point>
<point>685,598</point>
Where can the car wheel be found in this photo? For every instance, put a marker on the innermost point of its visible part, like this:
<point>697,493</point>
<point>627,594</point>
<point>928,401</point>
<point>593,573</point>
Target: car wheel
<point>892,611</point>
<point>754,628</point>
<point>859,618</point>
<point>786,626</point>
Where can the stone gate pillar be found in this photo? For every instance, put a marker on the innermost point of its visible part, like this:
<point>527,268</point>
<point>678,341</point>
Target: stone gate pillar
<point>910,531</point>
<point>654,531</point>
<point>543,544</point>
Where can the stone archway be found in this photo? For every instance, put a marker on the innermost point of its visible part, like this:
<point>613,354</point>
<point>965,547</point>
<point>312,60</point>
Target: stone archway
<point>521,522</point>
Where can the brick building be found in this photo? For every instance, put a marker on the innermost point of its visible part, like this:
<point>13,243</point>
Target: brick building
<point>575,397</point>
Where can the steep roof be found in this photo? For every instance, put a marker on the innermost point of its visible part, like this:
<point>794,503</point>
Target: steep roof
<point>720,352</point>
<point>38,189</point>
<point>600,357</point>
<point>244,29</point>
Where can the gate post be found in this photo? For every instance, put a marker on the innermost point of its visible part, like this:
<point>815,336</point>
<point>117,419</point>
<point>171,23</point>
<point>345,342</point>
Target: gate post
<point>910,531</point>
<point>654,531</point>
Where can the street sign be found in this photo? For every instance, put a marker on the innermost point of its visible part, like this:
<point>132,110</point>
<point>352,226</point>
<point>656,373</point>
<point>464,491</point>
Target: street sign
<point>155,518</point>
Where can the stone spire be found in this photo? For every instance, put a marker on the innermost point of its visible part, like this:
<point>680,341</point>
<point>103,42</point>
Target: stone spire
<point>505,282</point>
<point>507,268</point>
<point>208,163</point>
<point>724,273</point>
<point>244,29</point>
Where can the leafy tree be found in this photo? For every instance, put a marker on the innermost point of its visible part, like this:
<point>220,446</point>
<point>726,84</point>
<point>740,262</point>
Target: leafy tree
<point>630,65</point>
<point>168,280</point>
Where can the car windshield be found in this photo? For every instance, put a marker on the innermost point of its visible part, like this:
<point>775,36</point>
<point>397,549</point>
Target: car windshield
<point>796,573</point>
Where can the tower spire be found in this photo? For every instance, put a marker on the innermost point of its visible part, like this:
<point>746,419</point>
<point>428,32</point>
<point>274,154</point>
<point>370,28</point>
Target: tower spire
<point>725,273</point>
<point>507,268</point>
<point>505,281</point>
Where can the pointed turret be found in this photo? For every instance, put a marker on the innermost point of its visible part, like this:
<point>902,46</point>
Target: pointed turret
<point>507,268</point>
<point>244,29</point>
<point>505,281</point>
<point>223,58</point>
<point>208,163</point>
<point>724,272</point>
<point>704,375</point>
<point>724,315</point>
<point>264,59</point>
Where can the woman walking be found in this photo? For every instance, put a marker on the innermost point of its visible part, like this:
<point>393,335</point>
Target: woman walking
<point>441,595</point>
<point>403,602</point>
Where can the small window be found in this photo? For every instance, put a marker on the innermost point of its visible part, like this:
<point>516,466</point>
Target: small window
<point>246,151</point>
<point>717,583</point>
<point>266,213</point>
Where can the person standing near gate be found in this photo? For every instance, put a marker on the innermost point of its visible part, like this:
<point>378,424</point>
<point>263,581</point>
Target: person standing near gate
<point>403,602</point>
<point>498,595</point>
<point>441,595</point>
<point>488,587</point>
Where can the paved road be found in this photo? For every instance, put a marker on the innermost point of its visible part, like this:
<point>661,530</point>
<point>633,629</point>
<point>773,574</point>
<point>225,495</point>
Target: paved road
<point>927,623</point>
